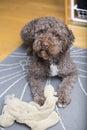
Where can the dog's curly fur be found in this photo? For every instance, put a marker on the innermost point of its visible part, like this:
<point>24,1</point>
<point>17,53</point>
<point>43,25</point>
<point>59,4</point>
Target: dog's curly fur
<point>49,41</point>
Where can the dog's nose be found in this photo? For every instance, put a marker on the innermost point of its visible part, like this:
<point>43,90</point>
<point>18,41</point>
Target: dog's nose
<point>44,46</point>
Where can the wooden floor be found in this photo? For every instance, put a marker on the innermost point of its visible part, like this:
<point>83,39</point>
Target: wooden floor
<point>14,14</point>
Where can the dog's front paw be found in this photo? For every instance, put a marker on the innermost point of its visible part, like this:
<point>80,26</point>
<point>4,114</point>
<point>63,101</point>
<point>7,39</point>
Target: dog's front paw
<point>39,99</point>
<point>63,99</point>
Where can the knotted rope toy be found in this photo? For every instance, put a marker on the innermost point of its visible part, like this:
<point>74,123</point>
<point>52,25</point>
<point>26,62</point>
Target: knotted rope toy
<point>32,114</point>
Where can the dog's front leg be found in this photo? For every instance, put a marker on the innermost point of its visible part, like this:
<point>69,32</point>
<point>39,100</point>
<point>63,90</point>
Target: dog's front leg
<point>37,89</point>
<point>65,88</point>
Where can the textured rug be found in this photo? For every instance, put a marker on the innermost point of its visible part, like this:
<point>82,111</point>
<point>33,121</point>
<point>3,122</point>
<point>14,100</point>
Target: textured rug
<point>13,79</point>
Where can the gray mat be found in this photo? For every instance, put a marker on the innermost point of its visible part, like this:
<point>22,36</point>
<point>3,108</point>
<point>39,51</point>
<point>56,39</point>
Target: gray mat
<point>13,79</point>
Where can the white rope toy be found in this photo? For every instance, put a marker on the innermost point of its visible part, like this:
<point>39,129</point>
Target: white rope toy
<point>35,116</point>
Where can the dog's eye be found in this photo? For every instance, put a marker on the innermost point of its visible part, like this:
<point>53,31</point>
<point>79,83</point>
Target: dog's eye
<point>57,35</point>
<point>40,31</point>
<point>54,32</point>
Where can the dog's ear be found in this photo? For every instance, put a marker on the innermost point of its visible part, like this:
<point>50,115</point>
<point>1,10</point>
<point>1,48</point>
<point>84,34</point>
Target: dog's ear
<point>67,39</point>
<point>70,36</point>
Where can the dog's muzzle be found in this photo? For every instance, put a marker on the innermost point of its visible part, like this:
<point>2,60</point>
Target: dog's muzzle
<point>44,46</point>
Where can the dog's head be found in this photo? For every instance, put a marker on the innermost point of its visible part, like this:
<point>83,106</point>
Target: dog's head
<point>46,46</point>
<point>49,46</point>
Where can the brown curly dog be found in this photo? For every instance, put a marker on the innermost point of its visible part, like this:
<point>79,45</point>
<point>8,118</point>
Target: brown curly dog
<point>49,41</point>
